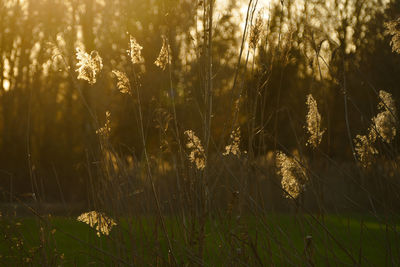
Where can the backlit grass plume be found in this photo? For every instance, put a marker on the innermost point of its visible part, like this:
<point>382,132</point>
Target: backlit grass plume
<point>393,29</point>
<point>88,65</point>
<point>365,148</point>
<point>164,57</point>
<point>135,51</point>
<point>313,121</point>
<point>106,129</point>
<point>255,31</point>
<point>385,121</point>
<point>102,223</point>
<point>383,126</point>
<point>197,155</point>
<point>235,142</point>
<point>123,84</point>
<point>293,175</point>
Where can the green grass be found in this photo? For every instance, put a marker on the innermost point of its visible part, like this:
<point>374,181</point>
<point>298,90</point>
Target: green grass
<point>277,239</point>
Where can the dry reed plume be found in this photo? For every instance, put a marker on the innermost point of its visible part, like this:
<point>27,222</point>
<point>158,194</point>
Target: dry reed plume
<point>123,82</point>
<point>88,65</point>
<point>313,120</point>
<point>393,29</point>
<point>383,125</point>
<point>106,129</point>
<point>135,51</point>
<point>164,57</point>
<point>99,221</point>
<point>365,149</point>
<point>233,147</point>
<point>255,31</point>
<point>385,121</point>
<point>293,175</point>
<point>197,155</point>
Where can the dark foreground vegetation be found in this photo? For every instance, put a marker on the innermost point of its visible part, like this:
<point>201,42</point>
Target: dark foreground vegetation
<point>275,240</point>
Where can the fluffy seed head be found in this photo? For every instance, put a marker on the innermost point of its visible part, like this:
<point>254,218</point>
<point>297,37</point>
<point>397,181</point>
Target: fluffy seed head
<point>385,121</point>
<point>235,143</point>
<point>255,31</point>
<point>106,129</point>
<point>123,84</point>
<point>365,149</point>
<point>135,51</point>
<point>383,126</point>
<point>293,175</point>
<point>197,155</point>
<point>393,29</point>
<point>313,120</point>
<point>88,65</point>
<point>102,223</point>
<point>164,58</point>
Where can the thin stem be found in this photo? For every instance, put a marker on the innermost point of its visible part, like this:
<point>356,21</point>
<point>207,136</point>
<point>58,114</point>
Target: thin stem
<point>149,171</point>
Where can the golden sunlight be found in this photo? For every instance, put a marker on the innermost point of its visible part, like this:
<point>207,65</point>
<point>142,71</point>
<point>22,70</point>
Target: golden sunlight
<point>6,85</point>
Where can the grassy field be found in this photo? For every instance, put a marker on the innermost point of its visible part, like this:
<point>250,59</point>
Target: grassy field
<point>279,239</point>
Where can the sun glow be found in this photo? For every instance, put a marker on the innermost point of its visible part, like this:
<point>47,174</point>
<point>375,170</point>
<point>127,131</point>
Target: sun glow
<point>241,12</point>
<point>6,85</point>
